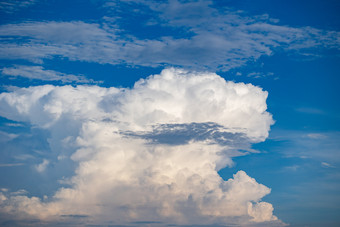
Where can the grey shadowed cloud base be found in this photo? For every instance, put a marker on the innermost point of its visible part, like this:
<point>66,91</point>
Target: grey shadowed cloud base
<point>184,133</point>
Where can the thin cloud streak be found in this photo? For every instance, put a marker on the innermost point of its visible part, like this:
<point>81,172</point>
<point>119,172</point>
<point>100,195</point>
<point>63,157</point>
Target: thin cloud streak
<point>39,73</point>
<point>217,41</point>
<point>10,164</point>
<point>11,6</point>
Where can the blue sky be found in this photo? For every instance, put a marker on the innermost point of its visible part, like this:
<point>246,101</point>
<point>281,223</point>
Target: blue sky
<point>234,119</point>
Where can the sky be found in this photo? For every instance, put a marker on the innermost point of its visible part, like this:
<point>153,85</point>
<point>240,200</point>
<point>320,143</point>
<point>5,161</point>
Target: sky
<point>169,113</point>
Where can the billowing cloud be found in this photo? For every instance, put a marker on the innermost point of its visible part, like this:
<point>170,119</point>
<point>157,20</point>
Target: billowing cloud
<point>149,154</point>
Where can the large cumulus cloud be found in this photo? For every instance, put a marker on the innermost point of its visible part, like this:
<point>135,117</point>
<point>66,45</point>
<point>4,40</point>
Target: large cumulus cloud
<point>127,170</point>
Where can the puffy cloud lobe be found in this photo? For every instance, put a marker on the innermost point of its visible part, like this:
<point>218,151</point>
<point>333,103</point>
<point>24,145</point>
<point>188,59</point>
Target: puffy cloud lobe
<point>124,178</point>
<point>42,166</point>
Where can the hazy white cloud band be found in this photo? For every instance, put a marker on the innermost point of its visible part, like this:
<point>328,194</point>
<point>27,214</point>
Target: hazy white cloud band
<point>125,175</point>
<point>217,41</point>
<point>39,73</point>
<point>11,6</point>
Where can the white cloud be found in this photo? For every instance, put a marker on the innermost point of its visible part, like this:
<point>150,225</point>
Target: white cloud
<point>310,110</point>
<point>39,73</point>
<point>74,40</point>
<point>125,176</point>
<point>4,136</point>
<point>292,168</point>
<point>320,146</point>
<point>326,165</point>
<point>42,166</point>
<point>10,164</point>
<point>2,197</point>
<point>258,75</point>
<point>219,38</point>
<point>11,6</point>
<point>316,136</point>
<point>215,40</point>
<point>14,125</point>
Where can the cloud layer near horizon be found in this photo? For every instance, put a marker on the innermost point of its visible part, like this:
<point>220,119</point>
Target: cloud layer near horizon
<point>126,171</point>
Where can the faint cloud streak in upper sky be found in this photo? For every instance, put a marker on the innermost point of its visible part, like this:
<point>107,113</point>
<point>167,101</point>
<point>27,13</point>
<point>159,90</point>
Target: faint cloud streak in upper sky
<point>219,40</point>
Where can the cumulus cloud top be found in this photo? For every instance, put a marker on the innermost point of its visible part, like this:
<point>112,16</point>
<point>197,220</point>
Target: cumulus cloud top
<point>125,171</point>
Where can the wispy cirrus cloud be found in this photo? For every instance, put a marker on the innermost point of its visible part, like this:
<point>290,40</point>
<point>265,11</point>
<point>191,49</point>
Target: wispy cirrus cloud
<point>326,165</point>
<point>320,146</point>
<point>11,6</point>
<point>219,40</point>
<point>233,36</point>
<point>39,73</point>
<point>10,164</point>
<point>310,110</point>
<point>74,40</point>
<point>4,136</point>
